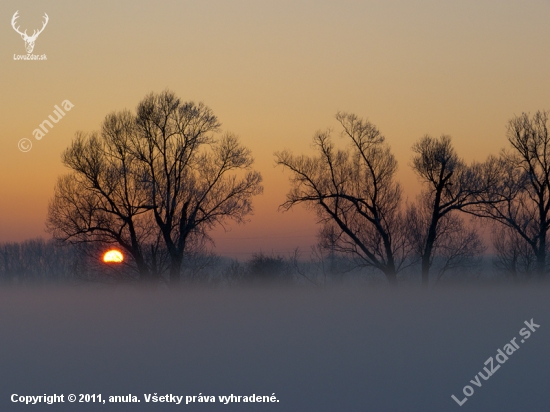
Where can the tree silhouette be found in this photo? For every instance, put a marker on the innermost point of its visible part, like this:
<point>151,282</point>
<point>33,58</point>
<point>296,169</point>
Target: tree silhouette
<point>102,199</point>
<point>449,185</point>
<point>353,192</point>
<point>189,176</point>
<point>523,187</point>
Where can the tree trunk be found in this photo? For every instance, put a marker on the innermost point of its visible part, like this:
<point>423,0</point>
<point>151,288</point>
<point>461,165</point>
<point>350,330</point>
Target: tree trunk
<point>427,255</point>
<point>392,279</point>
<point>541,263</point>
<point>391,275</point>
<point>541,253</point>
<point>143,269</point>
<point>513,268</point>
<point>175,269</point>
<point>425,270</point>
<point>430,240</point>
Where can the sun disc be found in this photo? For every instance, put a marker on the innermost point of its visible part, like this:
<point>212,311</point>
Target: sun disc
<point>113,256</point>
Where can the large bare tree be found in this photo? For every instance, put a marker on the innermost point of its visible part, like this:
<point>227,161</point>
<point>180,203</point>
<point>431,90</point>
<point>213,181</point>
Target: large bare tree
<point>353,192</point>
<point>102,198</point>
<point>193,180</point>
<point>449,185</point>
<point>524,185</point>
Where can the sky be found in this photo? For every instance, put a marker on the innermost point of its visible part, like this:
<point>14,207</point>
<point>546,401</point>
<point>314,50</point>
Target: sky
<point>274,72</point>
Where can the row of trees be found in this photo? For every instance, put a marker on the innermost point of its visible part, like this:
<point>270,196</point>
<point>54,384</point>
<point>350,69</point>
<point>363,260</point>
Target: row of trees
<point>360,205</point>
<point>157,181</point>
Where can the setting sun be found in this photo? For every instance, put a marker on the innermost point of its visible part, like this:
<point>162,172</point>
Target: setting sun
<point>113,256</point>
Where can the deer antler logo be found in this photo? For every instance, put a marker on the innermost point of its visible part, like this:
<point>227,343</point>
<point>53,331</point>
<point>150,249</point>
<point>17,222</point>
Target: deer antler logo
<point>29,40</point>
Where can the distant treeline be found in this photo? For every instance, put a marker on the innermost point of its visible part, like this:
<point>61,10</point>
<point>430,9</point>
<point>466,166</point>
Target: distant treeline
<point>50,261</point>
<point>39,260</point>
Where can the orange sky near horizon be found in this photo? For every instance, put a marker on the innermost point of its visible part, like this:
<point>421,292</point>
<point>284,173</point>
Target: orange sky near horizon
<point>274,72</point>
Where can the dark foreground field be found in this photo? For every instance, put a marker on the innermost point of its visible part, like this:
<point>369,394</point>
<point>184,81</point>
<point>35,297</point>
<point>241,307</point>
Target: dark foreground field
<point>347,349</point>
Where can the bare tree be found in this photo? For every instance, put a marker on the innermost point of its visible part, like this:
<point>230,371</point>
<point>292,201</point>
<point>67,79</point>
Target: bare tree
<point>524,185</point>
<point>192,179</point>
<point>102,199</point>
<point>449,185</point>
<point>354,190</point>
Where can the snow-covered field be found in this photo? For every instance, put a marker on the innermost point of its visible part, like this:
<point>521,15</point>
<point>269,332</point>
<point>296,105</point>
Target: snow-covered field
<point>340,349</point>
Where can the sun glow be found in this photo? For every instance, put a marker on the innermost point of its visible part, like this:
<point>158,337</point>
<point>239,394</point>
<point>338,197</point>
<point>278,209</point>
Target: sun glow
<point>113,256</point>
